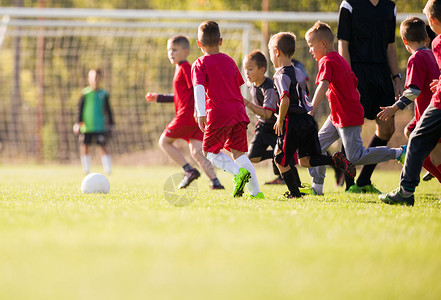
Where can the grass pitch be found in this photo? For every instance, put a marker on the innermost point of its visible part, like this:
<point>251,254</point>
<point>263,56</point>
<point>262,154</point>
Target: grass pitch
<point>57,243</point>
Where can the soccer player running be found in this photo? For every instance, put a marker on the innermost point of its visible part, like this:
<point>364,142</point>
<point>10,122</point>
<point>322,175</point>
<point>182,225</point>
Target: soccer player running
<point>422,70</point>
<point>94,121</point>
<point>336,80</point>
<point>424,138</point>
<point>264,104</point>
<point>296,129</point>
<point>183,126</point>
<point>366,39</point>
<point>221,110</point>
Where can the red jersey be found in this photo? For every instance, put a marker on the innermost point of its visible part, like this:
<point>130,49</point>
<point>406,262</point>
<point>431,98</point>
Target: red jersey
<point>224,104</point>
<point>342,94</point>
<point>436,48</point>
<point>183,96</point>
<point>422,69</point>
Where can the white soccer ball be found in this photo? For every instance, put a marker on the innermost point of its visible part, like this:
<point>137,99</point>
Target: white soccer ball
<point>95,183</point>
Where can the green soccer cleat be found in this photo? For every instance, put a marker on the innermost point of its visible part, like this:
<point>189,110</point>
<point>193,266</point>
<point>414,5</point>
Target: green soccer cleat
<point>402,157</point>
<point>239,182</point>
<point>354,189</point>
<point>369,189</point>
<point>396,198</point>
<point>258,196</point>
<point>309,191</point>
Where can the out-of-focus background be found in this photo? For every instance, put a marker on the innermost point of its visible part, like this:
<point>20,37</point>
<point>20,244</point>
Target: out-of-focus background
<point>47,48</point>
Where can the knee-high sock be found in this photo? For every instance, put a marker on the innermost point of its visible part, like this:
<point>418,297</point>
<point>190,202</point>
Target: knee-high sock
<point>291,184</point>
<point>223,162</point>
<point>253,185</point>
<point>429,166</point>
<point>107,163</point>
<point>366,171</point>
<point>85,162</point>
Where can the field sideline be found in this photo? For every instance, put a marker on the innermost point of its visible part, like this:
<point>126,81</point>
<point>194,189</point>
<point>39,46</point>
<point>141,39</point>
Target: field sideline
<point>57,243</point>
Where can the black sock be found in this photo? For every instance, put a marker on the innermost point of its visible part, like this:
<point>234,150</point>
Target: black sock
<point>366,171</point>
<point>215,181</point>
<point>348,180</point>
<point>295,174</point>
<point>320,160</point>
<point>187,167</point>
<point>293,188</point>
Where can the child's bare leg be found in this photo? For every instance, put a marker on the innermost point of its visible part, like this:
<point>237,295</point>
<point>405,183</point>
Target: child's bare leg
<point>85,158</point>
<point>170,149</point>
<point>105,160</point>
<point>196,152</point>
<point>242,160</point>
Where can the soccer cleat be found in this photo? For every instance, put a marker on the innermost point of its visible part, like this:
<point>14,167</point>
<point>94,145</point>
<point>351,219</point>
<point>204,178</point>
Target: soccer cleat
<point>291,196</point>
<point>396,198</point>
<point>353,189</point>
<point>402,157</point>
<point>278,180</point>
<point>189,177</point>
<point>339,177</point>
<point>216,186</point>
<point>309,191</point>
<point>369,189</point>
<point>341,162</point>
<point>258,196</point>
<point>428,176</point>
<point>239,182</point>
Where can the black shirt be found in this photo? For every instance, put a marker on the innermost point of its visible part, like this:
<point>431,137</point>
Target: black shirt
<point>368,29</point>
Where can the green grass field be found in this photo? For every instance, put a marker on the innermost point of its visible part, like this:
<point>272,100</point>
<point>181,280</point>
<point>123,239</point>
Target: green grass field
<point>56,243</point>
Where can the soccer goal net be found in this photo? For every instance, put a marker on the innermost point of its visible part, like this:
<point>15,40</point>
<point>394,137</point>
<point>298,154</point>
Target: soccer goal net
<point>44,65</point>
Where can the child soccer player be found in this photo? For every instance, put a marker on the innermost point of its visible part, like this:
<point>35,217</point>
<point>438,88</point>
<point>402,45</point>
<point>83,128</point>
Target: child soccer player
<point>221,111</point>
<point>296,129</point>
<point>94,121</point>
<point>183,126</point>
<point>422,69</point>
<point>338,83</point>
<point>264,105</point>
<point>424,138</point>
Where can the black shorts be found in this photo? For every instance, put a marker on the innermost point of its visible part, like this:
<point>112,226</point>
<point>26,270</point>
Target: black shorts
<point>301,135</point>
<point>375,86</point>
<point>263,138</point>
<point>99,137</point>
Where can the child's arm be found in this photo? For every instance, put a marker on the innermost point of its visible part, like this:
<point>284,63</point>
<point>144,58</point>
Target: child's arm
<point>160,98</point>
<point>77,125</point>
<point>283,109</point>
<point>199,105</point>
<point>408,96</point>
<point>258,110</point>
<point>320,93</point>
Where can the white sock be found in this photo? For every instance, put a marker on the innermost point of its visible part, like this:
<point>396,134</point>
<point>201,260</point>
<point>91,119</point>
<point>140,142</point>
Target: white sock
<point>107,163</point>
<point>253,185</point>
<point>85,163</point>
<point>224,162</point>
<point>318,188</point>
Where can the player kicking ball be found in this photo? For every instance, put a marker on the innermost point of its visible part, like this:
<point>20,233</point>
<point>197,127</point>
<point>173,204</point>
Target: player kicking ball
<point>183,126</point>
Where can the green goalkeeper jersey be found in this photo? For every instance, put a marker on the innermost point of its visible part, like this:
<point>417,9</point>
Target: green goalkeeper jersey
<point>94,109</point>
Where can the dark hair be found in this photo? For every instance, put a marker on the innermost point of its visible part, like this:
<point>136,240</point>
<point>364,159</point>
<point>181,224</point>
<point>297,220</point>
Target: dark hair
<point>430,33</point>
<point>259,59</point>
<point>98,71</point>
<point>180,40</point>
<point>433,9</point>
<point>209,33</point>
<point>322,31</point>
<point>285,42</point>
<point>413,29</point>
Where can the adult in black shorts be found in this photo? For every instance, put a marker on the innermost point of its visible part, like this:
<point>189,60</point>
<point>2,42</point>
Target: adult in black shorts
<point>366,39</point>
